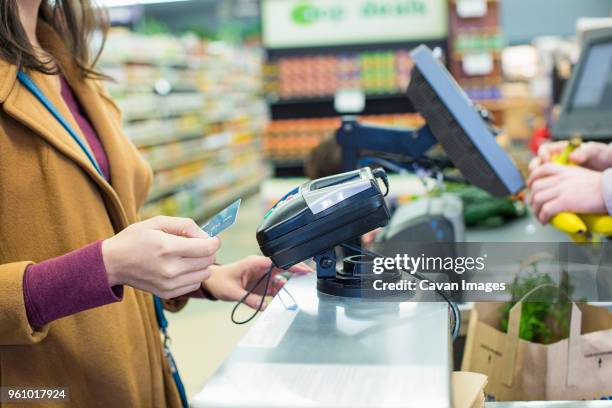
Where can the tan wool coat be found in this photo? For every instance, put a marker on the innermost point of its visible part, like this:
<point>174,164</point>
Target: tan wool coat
<point>52,201</point>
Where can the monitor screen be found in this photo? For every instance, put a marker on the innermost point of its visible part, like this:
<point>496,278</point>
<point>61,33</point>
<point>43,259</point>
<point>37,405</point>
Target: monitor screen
<point>586,108</point>
<point>464,135</point>
<point>594,86</point>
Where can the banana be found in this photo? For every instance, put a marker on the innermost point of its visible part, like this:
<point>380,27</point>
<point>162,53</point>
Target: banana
<point>598,223</point>
<point>581,238</point>
<point>579,226</point>
<point>564,157</point>
<point>569,223</point>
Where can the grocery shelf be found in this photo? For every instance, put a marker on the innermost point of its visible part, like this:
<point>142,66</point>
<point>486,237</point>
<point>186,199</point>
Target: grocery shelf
<point>160,131</point>
<point>196,112</point>
<point>175,136</point>
<point>324,107</point>
<point>182,182</point>
<point>162,164</point>
<point>217,203</point>
<point>273,54</point>
<point>284,169</point>
<point>154,106</point>
<point>179,184</point>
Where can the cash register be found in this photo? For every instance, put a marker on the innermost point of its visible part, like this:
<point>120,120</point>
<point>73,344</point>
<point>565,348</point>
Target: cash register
<point>315,218</point>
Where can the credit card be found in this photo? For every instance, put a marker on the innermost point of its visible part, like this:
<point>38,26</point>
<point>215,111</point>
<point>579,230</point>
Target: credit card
<point>223,220</point>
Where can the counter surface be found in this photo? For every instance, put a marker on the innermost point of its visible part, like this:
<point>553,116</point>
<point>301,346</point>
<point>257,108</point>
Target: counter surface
<point>313,350</point>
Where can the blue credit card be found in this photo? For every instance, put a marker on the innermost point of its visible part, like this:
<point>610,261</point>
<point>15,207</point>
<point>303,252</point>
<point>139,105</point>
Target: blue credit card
<point>223,220</point>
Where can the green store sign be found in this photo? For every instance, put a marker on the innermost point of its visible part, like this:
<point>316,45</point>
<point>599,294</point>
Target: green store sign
<point>306,13</point>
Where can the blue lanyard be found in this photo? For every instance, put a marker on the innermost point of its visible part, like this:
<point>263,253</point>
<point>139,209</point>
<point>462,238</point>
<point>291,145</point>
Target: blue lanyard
<point>159,308</point>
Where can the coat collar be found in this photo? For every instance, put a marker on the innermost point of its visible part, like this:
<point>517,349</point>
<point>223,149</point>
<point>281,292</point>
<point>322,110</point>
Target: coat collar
<point>8,73</point>
<point>19,103</point>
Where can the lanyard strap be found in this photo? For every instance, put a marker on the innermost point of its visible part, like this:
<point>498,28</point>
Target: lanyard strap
<point>159,308</point>
<point>163,326</point>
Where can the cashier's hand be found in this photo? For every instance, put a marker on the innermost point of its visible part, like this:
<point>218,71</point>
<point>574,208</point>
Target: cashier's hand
<point>592,155</point>
<point>555,188</point>
<point>166,256</point>
<point>231,282</point>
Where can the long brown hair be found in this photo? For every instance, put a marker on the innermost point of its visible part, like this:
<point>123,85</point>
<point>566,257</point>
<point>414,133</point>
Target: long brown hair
<point>74,21</point>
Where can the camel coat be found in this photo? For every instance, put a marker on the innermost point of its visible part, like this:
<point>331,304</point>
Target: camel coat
<point>53,201</point>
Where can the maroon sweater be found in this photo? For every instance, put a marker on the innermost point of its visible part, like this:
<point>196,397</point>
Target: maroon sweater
<point>77,281</point>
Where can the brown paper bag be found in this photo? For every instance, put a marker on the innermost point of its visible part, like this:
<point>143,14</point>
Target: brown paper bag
<point>468,389</point>
<point>578,368</point>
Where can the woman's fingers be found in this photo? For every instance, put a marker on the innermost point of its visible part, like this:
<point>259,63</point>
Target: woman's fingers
<point>174,293</point>
<point>253,301</point>
<point>300,268</point>
<point>190,247</point>
<point>541,197</point>
<point>535,163</point>
<point>191,278</point>
<point>550,209</point>
<point>545,170</point>
<point>185,227</point>
<point>548,150</point>
<point>544,184</point>
<point>187,265</point>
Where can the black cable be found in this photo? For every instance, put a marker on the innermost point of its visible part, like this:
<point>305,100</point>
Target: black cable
<point>267,276</point>
<point>453,306</point>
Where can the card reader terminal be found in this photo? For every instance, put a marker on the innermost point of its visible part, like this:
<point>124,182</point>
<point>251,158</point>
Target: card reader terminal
<point>322,214</point>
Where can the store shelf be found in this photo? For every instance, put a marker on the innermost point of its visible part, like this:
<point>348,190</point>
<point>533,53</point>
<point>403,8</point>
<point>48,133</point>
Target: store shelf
<point>287,143</point>
<point>217,203</point>
<point>477,35</point>
<point>196,112</point>
<point>147,107</point>
<point>274,54</point>
<point>159,192</point>
<point>163,164</point>
<point>324,107</point>
<point>180,183</point>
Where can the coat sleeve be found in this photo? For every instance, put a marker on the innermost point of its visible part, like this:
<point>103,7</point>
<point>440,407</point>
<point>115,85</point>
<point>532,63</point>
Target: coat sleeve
<point>14,325</point>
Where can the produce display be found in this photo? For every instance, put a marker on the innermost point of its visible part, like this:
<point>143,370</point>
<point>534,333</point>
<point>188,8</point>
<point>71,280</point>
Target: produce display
<point>196,112</point>
<point>292,140</point>
<point>374,72</point>
<point>476,45</point>
<point>481,209</point>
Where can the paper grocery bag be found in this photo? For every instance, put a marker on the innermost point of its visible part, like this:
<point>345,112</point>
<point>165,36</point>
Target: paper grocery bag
<point>486,353</point>
<point>582,369</point>
<point>468,390</point>
<point>578,368</point>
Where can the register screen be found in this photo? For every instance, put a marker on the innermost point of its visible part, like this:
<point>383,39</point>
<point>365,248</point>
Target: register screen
<point>594,90</point>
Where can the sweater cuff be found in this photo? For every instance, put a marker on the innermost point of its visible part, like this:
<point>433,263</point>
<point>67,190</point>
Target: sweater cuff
<point>67,285</point>
<point>606,189</point>
<point>201,293</point>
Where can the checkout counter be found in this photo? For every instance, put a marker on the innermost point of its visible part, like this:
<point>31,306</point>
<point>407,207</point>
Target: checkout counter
<point>324,351</point>
<point>313,350</point>
<point>309,349</point>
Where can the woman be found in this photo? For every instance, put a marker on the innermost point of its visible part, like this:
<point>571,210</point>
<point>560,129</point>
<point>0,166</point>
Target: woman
<point>77,271</point>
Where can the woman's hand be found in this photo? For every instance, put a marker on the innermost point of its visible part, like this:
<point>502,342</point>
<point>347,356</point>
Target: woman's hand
<point>231,282</point>
<point>555,188</point>
<point>166,256</point>
<point>592,155</point>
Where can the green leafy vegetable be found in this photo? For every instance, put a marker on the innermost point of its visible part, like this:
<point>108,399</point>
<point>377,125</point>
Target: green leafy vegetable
<point>546,320</point>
